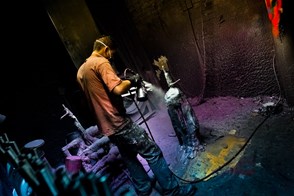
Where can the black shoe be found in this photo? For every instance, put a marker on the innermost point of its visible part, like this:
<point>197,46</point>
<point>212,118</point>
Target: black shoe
<point>186,190</point>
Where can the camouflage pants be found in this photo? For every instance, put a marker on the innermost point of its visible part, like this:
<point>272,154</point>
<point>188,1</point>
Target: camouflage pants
<point>134,140</point>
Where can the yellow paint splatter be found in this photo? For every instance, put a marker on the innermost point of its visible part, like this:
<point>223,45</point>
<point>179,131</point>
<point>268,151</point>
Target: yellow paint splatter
<point>214,157</point>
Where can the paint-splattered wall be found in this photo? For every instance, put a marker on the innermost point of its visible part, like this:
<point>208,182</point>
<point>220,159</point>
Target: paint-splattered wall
<point>216,48</point>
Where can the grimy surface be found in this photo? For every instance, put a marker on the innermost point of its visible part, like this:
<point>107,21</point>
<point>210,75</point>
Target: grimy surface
<point>248,147</point>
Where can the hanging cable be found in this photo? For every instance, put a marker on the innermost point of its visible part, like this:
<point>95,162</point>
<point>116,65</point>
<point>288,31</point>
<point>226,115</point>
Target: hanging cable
<point>138,96</point>
<point>142,116</point>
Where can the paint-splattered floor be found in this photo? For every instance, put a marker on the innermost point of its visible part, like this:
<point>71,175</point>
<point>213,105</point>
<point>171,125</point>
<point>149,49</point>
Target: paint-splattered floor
<point>248,147</point>
<point>247,151</point>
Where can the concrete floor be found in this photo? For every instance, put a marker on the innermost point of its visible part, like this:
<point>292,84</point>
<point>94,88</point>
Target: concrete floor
<point>248,147</point>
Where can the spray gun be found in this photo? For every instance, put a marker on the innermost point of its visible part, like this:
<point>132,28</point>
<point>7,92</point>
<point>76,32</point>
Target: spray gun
<point>138,83</point>
<point>141,92</point>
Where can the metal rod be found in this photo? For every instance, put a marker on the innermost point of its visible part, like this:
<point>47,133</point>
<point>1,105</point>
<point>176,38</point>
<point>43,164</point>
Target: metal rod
<point>144,120</point>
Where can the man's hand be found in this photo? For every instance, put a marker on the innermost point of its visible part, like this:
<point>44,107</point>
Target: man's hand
<point>135,80</point>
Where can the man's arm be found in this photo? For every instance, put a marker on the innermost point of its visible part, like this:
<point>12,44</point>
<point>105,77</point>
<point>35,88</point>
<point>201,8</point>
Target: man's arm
<point>127,83</point>
<point>122,88</point>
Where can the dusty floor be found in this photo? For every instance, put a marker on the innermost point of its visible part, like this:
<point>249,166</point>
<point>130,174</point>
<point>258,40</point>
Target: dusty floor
<point>248,147</point>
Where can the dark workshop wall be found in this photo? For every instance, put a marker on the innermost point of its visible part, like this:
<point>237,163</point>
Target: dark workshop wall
<point>37,78</point>
<point>217,48</point>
